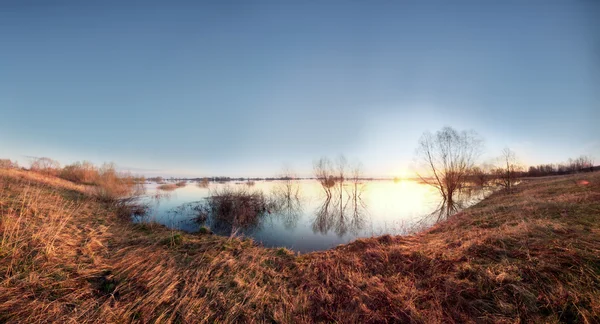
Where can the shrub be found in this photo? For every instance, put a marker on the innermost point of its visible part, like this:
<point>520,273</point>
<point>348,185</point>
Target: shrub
<point>203,183</point>
<point>167,186</point>
<point>238,207</point>
<point>113,185</point>
<point>80,172</point>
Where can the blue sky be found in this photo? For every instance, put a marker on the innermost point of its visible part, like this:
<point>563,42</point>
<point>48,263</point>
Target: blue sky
<point>241,88</point>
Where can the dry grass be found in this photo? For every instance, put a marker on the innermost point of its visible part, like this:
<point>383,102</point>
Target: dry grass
<point>533,256</point>
<point>172,186</point>
<point>167,187</point>
<point>237,207</point>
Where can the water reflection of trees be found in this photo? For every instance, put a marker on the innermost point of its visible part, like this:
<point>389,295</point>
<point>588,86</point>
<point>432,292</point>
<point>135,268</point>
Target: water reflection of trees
<point>287,208</point>
<point>285,199</point>
<point>342,209</point>
<point>465,196</point>
<point>344,212</point>
<point>242,210</point>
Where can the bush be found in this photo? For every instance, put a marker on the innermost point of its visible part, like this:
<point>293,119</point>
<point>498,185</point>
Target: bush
<point>167,186</point>
<point>204,183</point>
<point>112,185</point>
<point>109,184</point>
<point>238,207</point>
<point>80,172</point>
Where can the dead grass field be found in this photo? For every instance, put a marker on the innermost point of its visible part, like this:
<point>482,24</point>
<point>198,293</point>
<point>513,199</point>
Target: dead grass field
<point>532,256</point>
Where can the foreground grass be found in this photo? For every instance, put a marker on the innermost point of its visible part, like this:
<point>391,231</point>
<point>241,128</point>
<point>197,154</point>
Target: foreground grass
<point>533,256</point>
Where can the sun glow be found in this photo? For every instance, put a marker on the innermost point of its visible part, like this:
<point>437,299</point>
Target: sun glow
<point>402,173</point>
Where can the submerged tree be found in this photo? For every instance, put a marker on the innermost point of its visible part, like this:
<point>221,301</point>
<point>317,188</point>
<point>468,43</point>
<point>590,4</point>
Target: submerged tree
<point>323,170</point>
<point>286,198</point>
<point>356,174</point>
<point>288,186</point>
<point>446,158</point>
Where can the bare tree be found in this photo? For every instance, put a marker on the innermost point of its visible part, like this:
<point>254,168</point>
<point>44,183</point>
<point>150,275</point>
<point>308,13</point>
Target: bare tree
<point>355,176</point>
<point>288,187</point>
<point>323,170</point>
<point>341,166</point>
<point>446,158</point>
<point>580,164</point>
<point>509,169</point>
<point>45,165</point>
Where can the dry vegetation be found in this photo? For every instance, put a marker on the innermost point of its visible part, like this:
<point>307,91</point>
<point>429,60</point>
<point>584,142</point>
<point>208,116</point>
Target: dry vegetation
<point>533,256</point>
<point>172,186</point>
<point>237,207</point>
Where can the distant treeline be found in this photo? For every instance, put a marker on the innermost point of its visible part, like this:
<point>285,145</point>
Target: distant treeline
<point>221,179</point>
<point>227,179</point>
<point>580,164</point>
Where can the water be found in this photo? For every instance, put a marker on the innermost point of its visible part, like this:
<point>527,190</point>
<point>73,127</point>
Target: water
<point>312,221</point>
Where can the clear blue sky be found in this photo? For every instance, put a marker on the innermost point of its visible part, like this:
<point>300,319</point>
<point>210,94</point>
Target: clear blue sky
<point>243,87</point>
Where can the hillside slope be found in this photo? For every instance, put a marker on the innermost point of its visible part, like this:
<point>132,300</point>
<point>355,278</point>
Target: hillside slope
<point>532,256</point>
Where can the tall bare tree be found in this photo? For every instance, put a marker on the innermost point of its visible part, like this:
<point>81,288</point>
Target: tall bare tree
<point>446,159</point>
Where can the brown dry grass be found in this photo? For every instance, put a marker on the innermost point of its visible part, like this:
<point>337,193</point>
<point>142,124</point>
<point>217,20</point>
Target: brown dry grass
<point>167,187</point>
<point>172,186</point>
<point>533,256</point>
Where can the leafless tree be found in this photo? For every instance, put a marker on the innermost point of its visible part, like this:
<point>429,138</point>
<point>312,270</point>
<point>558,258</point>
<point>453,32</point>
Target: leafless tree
<point>580,164</point>
<point>45,165</point>
<point>340,167</point>
<point>446,159</point>
<point>356,174</point>
<point>288,186</point>
<point>509,169</point>
<point>323,170</point>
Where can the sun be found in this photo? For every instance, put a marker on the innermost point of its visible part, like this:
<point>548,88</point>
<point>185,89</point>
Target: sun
<point>401,173</point>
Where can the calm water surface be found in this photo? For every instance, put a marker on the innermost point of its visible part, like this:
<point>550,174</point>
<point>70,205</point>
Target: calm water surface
<point>312,222</point>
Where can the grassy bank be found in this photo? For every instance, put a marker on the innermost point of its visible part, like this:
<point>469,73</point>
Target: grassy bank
<point>67,256</point>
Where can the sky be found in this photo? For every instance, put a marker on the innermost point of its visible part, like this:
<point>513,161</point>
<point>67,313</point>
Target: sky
<point>243,88</point>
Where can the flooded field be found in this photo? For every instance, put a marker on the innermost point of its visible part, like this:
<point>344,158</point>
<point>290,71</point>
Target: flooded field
<point>301,215</point>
